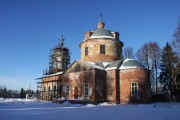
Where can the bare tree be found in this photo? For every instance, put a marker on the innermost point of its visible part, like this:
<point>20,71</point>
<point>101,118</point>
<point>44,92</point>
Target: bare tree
<point>176,48</point>
<point>149,55</point>
<point>143,55</point>
<point>128,52</point>
<point>176,40</point>
<point>155,54</point>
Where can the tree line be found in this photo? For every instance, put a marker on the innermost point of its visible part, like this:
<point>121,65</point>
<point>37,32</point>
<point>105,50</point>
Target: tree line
<point>9,93</point>
<point>163,63</point>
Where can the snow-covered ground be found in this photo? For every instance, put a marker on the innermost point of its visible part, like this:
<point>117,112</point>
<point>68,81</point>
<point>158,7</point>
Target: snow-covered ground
<point>33,109</point>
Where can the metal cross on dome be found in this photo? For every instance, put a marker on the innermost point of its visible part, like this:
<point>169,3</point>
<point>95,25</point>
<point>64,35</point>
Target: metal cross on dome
<point>61,41</point>
<point>101,17</point>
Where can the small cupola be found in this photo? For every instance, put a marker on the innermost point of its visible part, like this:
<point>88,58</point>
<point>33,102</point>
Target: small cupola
<point>101,24</point>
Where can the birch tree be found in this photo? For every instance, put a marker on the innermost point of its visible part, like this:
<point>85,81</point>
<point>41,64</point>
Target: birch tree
<point>149,55</point>
<point>128,52</point>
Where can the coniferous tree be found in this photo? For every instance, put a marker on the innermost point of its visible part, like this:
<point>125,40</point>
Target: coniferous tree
<point>5,93</point>
<point>22,93</point>
<point>167,67</point>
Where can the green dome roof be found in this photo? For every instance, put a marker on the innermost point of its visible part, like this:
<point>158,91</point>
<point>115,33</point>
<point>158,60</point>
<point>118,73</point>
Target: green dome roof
<point>131,63</point>
<point>102,33</point>
<point>125,64</point>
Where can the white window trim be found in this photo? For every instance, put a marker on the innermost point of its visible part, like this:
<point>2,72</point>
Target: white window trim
<point>102,51</point>
<point>85,89</point>
<point>134,87</point>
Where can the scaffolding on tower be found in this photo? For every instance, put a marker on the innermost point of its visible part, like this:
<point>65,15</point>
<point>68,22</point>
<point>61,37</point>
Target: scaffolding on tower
<point>59,61</point>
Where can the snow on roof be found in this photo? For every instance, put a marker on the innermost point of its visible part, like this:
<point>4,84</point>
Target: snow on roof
<point>102,33</point>
<point>105,64</point>
<point>118,64</point>
<point>101,37</point>
<point>131,64</point>
<point>111,68</point>
<point>124,64</point>
<point>114,65</point>
<point>91,64</point>
<point>58,73</point>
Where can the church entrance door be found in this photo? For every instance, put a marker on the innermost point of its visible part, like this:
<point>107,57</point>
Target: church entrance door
<point>75,92</point>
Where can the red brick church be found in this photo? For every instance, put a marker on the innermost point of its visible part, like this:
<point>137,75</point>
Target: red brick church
<point>100,75</point>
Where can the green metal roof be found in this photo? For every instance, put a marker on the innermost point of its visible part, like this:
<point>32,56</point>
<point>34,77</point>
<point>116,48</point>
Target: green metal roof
<point>131,63</point>
<point>101,32</point>
<point>125,64</point>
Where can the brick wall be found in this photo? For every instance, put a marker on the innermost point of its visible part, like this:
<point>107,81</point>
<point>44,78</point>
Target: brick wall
<point>100,85</point>
<point>96,80</point>
<point>103,85</point>
<point>144,88</point>
<point>77,79</point>
<point>111,86</point>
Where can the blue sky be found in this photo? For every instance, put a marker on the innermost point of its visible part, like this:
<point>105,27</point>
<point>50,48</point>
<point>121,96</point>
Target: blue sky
<point>30,28</point>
